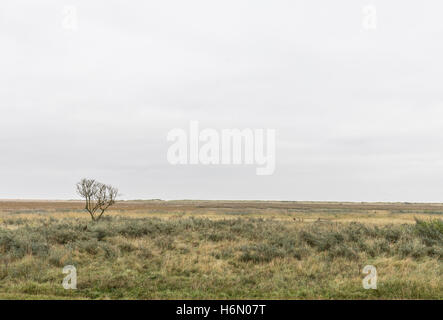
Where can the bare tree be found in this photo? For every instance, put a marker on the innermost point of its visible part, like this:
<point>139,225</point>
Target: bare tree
<point>98,197</point>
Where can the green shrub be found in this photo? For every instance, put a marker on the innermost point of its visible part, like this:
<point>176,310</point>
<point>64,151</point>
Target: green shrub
<point>415,249</point>
<point>18,243</point>
<point>95,247</point>
<point>261,252</point>
<point>431,232</point>
<point>126,247</point>
<point>165,243</point>
<point>342,251</point>
<point>59,257</point>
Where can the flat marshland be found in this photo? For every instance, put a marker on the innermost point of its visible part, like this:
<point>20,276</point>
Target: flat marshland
<point>221,250</point>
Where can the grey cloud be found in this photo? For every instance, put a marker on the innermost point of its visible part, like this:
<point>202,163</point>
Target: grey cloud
<point>358,113</point>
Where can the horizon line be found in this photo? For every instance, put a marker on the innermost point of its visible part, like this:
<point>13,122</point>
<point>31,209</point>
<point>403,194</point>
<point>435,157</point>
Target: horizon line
<point>220,200</point>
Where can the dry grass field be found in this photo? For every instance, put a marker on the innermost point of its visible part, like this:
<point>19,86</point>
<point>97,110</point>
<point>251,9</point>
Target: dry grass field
<point>221,250</point>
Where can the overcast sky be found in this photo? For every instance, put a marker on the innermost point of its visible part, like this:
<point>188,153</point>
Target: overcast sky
<point>358,112</point>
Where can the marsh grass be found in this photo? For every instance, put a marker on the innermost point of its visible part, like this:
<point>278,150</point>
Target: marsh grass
<point>235,258</point>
